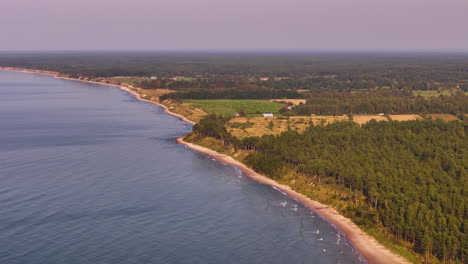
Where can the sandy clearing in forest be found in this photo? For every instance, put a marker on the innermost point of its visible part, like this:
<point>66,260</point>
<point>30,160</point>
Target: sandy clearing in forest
<point>293,101</point>
<point>405,117</point>
<point>443,117</point>
<point>362,119</point>
<point>258,126</point>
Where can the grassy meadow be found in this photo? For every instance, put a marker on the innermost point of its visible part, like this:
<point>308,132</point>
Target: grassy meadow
<point>431,93</point>
<point>242,127</point>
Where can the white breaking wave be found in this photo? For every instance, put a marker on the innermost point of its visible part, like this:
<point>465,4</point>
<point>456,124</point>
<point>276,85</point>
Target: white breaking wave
<point>294,207</point>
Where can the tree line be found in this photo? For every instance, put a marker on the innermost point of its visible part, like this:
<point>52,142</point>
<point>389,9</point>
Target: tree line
<point>413,174</point>
<point>336,71</point>
<point>355,103</point>
<point>246,92</point>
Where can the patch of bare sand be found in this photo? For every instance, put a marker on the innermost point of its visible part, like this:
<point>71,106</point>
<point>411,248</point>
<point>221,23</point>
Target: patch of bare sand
<point>405,117</point>
<point>293,101</point>
<point>363,119</point>
<point>443,117</point>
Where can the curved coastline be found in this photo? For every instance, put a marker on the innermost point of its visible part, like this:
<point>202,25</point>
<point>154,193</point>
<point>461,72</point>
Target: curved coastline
<point>123,88</point>
<point>369,248</point>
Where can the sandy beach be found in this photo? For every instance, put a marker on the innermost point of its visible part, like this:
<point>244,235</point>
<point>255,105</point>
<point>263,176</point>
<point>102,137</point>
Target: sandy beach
<point>370,249</point>
<point>367,246</point>
<point>124,88</point>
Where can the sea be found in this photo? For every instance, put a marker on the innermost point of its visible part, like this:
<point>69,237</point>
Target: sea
<point>90,174</point>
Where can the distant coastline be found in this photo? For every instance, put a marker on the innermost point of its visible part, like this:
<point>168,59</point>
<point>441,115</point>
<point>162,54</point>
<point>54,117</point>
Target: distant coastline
<point>371,250</point>
<point>137,95</point>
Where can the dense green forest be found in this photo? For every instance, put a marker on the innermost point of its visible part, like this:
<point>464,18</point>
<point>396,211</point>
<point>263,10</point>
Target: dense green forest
<point>413,174</point>
<point>337,83</point>
<point>246,92</point>
<point>192,83</point>
<point>337,103</point>
<point>338,71</point>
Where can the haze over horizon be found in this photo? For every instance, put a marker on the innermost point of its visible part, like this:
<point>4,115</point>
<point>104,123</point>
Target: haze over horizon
<point>265,25</point>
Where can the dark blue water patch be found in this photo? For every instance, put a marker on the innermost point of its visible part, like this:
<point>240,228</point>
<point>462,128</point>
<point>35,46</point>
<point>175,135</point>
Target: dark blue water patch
<point>89,174</point>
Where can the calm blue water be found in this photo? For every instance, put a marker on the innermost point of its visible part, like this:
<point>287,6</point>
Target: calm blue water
<point>88,174</point>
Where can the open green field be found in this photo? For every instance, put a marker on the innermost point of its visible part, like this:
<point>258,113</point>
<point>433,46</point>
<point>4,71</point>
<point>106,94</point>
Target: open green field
<point>436,93</point>
<point>231,107</point>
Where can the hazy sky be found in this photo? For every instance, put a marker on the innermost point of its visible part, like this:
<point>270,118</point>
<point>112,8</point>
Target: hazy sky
<point>234,24</point>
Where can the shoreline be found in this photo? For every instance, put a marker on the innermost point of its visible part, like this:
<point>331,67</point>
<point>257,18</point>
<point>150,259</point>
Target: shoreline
<point>367,247</point>
<point>123,88</point>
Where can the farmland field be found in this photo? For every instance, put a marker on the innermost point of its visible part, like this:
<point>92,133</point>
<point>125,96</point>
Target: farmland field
<point>242,127</point>
<point>405,117</point>
<point>362,119</point>
<point>231,107</point>
<point>293,101</point>
<point>443,117</point>
<point>436,93</point>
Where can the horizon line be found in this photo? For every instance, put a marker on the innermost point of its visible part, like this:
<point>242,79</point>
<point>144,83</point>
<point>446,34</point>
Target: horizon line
<point>241,50</point>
